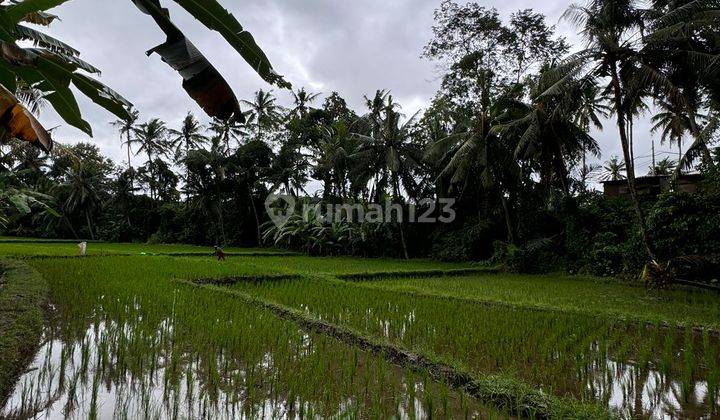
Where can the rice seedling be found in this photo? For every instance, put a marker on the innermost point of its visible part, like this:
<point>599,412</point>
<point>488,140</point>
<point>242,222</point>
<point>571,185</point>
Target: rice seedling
<point>589,357</point>
<point>124,341</point>
<point>572,293</point>
<point>22,297</point>
<point>38,248</point>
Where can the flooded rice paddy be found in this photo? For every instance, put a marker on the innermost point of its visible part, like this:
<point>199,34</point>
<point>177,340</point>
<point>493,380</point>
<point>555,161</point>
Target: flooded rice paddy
<point>645,371</point>
<point>124,346</point>
<point>122,340</point>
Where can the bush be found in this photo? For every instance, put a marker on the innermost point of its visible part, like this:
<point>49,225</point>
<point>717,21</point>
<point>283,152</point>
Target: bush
<point>536,257</point>
<point>606,257</point>
<point>452,246</point>
<point>684,224</point>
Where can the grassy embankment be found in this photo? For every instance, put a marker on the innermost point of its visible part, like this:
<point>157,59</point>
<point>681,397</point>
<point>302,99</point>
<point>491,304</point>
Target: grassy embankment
<point>23,293</point>
<point>32,249</point>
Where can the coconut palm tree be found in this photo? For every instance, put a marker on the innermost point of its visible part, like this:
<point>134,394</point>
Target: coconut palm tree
<point>228,130</point>
<point>593,108</point>
<point>683,41</point>
<point>614,169</point>
<point>475,156</point>
<point>546,134</point>
<point>207,173</point>
<point>289,170</point>
<point>188,137</point>
<point>126,128</point>
<point>302,100</point>
<point>672,122</point>
<point>333,157</point>
<point>83,197</point>
<point>265,114</point>
<point>663,168</point>
<point>377,105</point>
<point>32,96</point>
<point>388,157</point>
<point>613,32</point>
<point>152,140</point>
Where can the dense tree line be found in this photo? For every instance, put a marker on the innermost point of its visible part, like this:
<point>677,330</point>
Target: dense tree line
<point>508,136</point>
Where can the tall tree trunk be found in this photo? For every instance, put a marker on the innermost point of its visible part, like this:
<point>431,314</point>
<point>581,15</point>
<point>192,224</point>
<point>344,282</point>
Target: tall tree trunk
<point>679,149</point>
<point>508,218</point>
<point>152,174</point>
<point>697,136</point>
<point>402,230</point>
<point>132,180</point>
<point>584,166</point>
<point>629,163</point>
<point>89,224</point>
<point>631,136</point>
<point>72,229</point>
<point>221,221</point>
<point>255,213</point>
<point>402,241</point>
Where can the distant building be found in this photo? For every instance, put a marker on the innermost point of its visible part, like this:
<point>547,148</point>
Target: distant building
<point>652,186</point>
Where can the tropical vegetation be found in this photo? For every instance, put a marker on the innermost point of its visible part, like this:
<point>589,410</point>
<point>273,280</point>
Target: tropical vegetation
<point>508,137</point>
<point>209,274</point>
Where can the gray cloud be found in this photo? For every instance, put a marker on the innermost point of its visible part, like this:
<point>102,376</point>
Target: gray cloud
<point>326,45</point>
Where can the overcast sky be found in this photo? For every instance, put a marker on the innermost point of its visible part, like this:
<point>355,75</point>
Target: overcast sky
<point>353,47</point>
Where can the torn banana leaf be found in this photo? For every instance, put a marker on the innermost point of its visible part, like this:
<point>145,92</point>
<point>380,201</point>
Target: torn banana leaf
<point>40,39</point>
<point>201,80</point>
<point>29,10</point>
<point>17,122</point>
<point>53,73</point>
<point>40,18</point>
<point>215,17</point>
<point>75,61</point>
<point>102,95</point>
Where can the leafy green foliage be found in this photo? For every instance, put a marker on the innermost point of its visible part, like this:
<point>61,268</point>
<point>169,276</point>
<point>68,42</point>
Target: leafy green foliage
<point>53,66</point>
<point>23,295</point>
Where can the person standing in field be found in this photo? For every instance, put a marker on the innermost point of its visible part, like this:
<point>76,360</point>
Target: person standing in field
<point>220,254</point>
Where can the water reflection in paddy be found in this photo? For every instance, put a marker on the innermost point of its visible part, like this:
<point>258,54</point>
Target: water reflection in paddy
<point>640,370</point>
<point>97,374</point>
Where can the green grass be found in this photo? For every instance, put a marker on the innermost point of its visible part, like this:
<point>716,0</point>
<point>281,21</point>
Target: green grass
<point>18,239</point>
<point>563,336</point>
<point>23,293</point>
<point>166,350</point>
<point>561,353</point>
<point>347,265</point>
<point>35,249</point>
<point>577,294</point>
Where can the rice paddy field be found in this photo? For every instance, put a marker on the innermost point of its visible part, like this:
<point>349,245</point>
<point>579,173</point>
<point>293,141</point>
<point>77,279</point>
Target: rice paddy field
<point>40,248</point>
<point>137,331</point>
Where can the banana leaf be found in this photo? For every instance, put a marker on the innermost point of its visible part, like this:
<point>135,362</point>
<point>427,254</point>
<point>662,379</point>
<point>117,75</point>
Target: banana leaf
<point>17,122</point>
<point>200,79</point>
